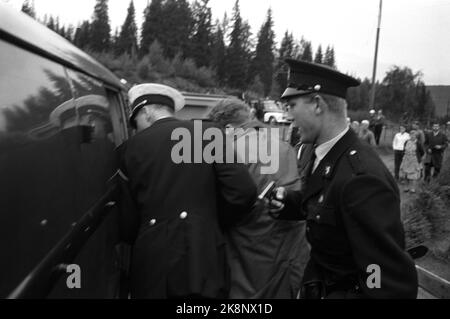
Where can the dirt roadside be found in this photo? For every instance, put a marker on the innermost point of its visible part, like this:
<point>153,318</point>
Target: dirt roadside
<point>429,262</point>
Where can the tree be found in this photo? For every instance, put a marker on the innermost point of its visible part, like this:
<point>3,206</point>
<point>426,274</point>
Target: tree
<point>152,25</point>
<point>127,40</point>
<point>100,38</point>
<point>201,42</point>
<point>319,56</point>
<point>237,55</point>
<point>329,58</point>
<point>358,97</point>
<point>218,53</point>
<point>70,33</point>
<point>82,35</point>
<point>307,54</point>
<point>51,23</point>
<point>177,27</point>
<point>286,51</point>
<point>28,8</point>
<point>403,95</point>
<point>262,63</point>
<point>226,25</point>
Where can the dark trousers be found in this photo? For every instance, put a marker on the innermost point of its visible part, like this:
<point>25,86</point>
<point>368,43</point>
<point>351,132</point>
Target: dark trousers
<point>436,162</point>
<point>398,157</point>
<point>377,133</point>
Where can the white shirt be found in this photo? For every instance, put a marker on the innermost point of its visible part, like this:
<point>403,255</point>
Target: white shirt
<point>399,141</point>
<point>323,149</point>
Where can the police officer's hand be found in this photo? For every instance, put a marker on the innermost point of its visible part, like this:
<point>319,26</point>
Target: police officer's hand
<point>276,201</point>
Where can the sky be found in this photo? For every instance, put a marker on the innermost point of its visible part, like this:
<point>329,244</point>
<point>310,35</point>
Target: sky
<point>413,32</point>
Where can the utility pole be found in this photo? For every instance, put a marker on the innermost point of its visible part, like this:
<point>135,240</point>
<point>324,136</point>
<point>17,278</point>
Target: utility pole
<point>374,74</point>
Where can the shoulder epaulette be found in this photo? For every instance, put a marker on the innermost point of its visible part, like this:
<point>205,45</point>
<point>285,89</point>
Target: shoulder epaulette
<point>355,161</point>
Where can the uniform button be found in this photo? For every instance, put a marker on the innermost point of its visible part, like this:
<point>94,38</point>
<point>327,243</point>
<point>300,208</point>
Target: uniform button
<point>183,215</point>
<point>152,222</point>
<point>318,217</point>
<point>353,152</point>
<point>321,199</point>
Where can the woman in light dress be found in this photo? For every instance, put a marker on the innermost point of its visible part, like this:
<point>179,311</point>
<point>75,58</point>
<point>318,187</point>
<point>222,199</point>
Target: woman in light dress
<point>411,163</point>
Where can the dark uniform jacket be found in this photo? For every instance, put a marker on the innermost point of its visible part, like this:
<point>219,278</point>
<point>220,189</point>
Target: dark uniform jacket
<point>352,207</point>
<point>435,155</point>
<point>180,249</point>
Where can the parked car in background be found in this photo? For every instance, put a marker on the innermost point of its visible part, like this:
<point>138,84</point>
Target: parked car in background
<point>274,113</point>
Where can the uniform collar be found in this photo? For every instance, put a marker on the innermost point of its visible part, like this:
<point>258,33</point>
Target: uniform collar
<point>158,122</point>
<point>326,168</point>
<point>323,149</point>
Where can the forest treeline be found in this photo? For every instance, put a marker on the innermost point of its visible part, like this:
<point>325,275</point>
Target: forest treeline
<point>179,44</point>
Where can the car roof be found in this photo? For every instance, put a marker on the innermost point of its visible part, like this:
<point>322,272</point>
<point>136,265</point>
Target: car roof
<point>24,31</point>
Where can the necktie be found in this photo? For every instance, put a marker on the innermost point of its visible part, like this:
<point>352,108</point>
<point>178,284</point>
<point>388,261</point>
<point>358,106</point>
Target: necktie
<point>311,163</point>
<point>308,169</point>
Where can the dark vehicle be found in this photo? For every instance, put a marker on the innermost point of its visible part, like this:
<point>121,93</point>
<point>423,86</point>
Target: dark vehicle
<point>62,116</point>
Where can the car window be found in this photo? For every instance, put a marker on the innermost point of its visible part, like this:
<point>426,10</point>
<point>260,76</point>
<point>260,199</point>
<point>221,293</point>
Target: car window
<point>37,161</point>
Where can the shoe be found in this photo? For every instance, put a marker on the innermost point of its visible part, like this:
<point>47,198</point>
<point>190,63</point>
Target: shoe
<point>406,190</point>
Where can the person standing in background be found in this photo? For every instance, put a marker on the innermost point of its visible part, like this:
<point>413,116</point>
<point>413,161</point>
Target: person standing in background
<point>398,144</point>
<point>419,132</point>
<point>378,127</point>
<point>435,144</point>
<point>410,169</point>
<point>372,119</point>
<point>365,134</point>
<point>355,127</point>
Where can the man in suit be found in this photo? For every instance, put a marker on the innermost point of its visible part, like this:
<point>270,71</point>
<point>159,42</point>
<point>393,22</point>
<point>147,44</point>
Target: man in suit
<point>178,246</point>
<point>350,200</point>
<point>435,145</point>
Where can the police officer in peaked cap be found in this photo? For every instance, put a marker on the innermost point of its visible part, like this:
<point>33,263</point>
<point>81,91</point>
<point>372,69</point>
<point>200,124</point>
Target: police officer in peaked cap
<point>349,199</point>
<point>171,212</point>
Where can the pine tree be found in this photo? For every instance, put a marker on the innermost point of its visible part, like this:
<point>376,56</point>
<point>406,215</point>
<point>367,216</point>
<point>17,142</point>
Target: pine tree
<point>218,52</point>
<point>319,55</point>
<point>100,37</point>
<point>82,35</point>
<point>127,40</point>
<point>70,33</point>
<point>177,26</point>
<point>262,64</point>
<point>152,25</point>
<point>200,49</point>
<point>51,23</point>
<point>307,52</point>
<point>28,8</point>
<point>286,51</point>
<point>237,56</point>
<point>225,26</point>
<point>329,57</point>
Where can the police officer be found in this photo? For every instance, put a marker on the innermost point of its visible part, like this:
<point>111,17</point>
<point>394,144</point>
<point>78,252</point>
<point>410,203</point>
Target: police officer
<point>350,200</point>
<point>178,247</point>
